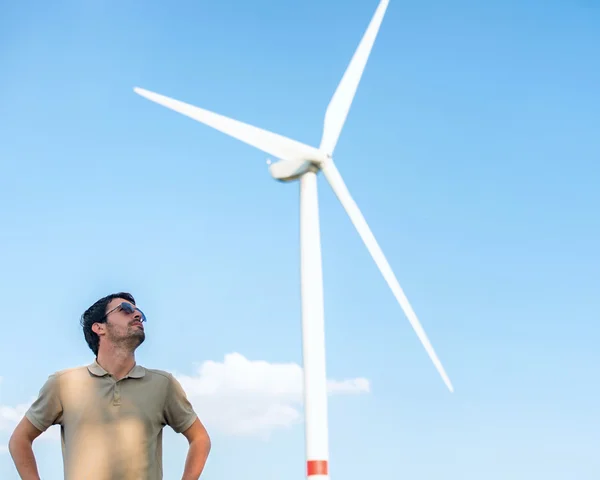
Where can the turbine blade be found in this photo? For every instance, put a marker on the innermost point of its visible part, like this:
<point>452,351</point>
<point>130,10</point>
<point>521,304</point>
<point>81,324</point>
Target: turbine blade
<point>341,191</point>
<point>281,147</point>
<point>340,103</point>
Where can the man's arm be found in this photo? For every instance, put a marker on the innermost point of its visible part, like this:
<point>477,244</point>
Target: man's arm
<point>20,447</point>
<point>200,444</point>
<point>180,415</point>
<point>44,412</point>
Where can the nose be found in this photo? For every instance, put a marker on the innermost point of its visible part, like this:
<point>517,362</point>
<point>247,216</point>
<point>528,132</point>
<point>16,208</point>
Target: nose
<point>138,316</point>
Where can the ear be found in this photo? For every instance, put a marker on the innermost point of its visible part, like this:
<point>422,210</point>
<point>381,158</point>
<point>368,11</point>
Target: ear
<point>98,328</point>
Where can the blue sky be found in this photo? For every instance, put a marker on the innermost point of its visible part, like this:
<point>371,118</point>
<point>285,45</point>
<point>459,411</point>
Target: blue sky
<point>472,149</point>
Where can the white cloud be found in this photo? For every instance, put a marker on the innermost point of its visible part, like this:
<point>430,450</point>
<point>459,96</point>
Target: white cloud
<point>243,397</point>
<point>10,416</point>
<point>237,396</point>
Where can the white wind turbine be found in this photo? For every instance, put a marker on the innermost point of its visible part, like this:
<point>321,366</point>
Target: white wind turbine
<point>297,161</point>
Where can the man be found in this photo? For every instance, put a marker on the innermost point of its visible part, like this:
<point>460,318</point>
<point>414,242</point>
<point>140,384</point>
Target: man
<point>113,411</point>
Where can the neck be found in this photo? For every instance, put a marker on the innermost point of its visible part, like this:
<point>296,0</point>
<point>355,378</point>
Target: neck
<point>116,361</point>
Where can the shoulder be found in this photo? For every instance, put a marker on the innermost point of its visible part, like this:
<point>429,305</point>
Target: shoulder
<point>60,376</point>
<point>165,379</point>
<point>159,375</point>
<point>158,372</point>
<point>73,375</point>
<point>72,371</point>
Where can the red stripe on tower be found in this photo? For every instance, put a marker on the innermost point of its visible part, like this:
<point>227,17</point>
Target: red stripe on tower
<point>317,467</point>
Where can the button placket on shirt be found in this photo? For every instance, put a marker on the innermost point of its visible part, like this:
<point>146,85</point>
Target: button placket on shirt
<point>116,391</point>
<point>117,394</point>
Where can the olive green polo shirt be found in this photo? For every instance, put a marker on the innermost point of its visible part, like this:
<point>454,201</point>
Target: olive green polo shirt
<point>112,430</point>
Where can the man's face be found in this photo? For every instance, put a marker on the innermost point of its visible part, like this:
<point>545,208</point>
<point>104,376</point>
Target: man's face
<point>123,328</point>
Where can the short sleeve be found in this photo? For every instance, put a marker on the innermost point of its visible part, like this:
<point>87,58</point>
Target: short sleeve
<point>46,410</point>
<point>179,413</point>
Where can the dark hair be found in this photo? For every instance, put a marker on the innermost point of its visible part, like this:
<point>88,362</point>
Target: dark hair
<point>96,314</point>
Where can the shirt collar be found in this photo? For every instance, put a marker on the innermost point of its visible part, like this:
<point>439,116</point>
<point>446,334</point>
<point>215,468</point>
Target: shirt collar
<point>136,372</point>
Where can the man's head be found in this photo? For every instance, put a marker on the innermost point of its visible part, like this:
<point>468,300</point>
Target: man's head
<point>114,319</point>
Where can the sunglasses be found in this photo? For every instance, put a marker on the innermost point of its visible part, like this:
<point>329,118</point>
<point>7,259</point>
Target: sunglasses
<point>127,308</point>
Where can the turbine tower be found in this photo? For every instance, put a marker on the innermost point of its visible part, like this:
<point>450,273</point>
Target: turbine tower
<point>297,161</point>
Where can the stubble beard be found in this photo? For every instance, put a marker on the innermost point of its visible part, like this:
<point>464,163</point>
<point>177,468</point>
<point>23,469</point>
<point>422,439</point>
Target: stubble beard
<point>130,340</point>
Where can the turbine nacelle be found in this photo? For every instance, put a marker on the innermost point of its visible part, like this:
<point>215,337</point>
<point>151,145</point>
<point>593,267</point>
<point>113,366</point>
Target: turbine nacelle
<point>290,170</point>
